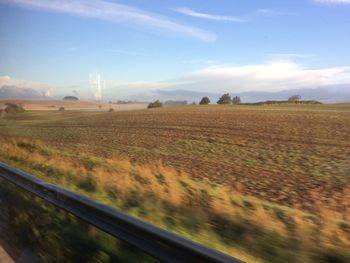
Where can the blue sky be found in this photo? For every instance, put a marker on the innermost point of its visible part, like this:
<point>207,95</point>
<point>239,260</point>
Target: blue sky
<point>140,46</point>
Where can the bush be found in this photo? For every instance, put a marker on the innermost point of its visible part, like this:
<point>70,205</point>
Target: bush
<point>88,183</point>
<point>236,100</point>
<point>61,109</point>
<point>13,108</point>
<point>110,110</point>
<point>204,101</point>
<point>294,98</point>
<point>225,99</point>
<point>156,104</point>
<point>70,98</point>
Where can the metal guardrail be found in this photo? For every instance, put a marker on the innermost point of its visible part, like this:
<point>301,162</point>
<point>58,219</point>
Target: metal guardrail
<point>156,242</point>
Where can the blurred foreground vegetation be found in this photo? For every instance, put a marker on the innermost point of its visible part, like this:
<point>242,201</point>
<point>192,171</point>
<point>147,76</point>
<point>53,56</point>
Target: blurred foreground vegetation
<point>31,230</point>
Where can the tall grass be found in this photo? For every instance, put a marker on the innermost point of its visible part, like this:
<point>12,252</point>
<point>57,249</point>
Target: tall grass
<point>215,215</point>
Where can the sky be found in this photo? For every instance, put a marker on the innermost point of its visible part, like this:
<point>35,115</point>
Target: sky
<point>136,46</point>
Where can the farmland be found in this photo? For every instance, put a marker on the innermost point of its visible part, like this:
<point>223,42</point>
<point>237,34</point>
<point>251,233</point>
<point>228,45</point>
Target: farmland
<point>54,105</point>
<point>293,160</point>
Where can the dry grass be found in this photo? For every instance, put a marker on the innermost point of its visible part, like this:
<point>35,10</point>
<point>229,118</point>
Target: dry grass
<point>212,214</point>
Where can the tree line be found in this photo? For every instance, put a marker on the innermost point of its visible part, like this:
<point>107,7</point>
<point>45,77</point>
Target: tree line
<point>224,99</point>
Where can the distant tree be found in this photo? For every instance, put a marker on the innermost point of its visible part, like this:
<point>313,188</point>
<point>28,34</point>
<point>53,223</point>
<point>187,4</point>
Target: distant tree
<point>156,104</point>
<point>61,109</point>
<point>204,101</point>
<point>225,99</point>
<point>294,98</point>
<point>70,98</point>
<point>13,108</point>
<point>236,100</point>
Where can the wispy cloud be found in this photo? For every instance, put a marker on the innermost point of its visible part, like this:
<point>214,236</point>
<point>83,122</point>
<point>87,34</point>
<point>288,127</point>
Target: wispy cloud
<point>190,12</point>
<point>333,2</point>
<point>243,18</point>
<point>116,13</point>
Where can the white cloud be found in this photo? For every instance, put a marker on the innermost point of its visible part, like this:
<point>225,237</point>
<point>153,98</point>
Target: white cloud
<point>244,18</point>
<point>190,12</point>
<point>8,81</point>
<point>270,76</point>
<point>116,13</point>
<point>40,87</point>
<point>333,2</point>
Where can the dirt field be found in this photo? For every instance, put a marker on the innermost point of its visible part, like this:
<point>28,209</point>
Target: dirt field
<point>297,156</point>
<point>261,183</point>
<point>54,105</point>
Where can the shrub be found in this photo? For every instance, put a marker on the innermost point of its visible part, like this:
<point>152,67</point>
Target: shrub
<point>61,109</point>
<point>13,108</point>
<point>88,183</point>
<point>156,104</point>
<point>70,98</point>
<point>236,100</point>
<point>110,110</point>
<point>225,99</point>
<point>204,101</point>
<point>294,98</point>
<point>31,147</point>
